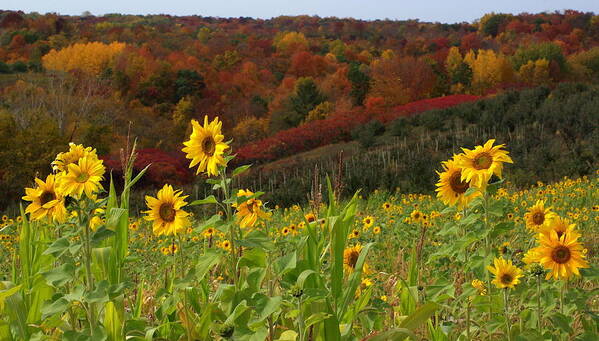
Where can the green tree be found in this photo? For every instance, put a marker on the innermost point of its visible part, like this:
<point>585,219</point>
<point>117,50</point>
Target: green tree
<point>188,83</point>
<point>548,51</point>
<point>306,97</point>
<point>360,84</point>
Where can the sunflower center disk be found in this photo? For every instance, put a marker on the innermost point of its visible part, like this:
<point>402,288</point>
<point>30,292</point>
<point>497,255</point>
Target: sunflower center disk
<point>353,259</point>
<point>167,212</point>
<point>506,279</point>
<point>208,145</point>
<point>456,183</point>
<point>483,161</point>
<point>82,177</point>
<point>538,218</point>
<point>46,197</point>
<point>561,254</point>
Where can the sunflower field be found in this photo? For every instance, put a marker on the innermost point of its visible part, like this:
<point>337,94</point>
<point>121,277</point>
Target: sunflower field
<point>481,260</point>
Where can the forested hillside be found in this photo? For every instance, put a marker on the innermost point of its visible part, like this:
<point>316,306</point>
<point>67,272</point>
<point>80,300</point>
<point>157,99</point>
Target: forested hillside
<point>99,80</point>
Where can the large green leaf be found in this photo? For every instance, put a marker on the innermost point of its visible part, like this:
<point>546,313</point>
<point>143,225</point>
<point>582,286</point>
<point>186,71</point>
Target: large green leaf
<point>418,317</point>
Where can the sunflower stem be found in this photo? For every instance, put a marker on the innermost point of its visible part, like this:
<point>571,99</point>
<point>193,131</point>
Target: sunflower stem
<point>506,312</point>
<point>539,309</point>
<point>487,250</point>
<point>468,337</point>
<point>228,212</point>
<point>88,272</point>
<point>561,296</point>
<point>300,319</point>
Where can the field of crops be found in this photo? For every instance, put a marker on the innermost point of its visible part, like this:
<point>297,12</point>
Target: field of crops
<point>481,260</point>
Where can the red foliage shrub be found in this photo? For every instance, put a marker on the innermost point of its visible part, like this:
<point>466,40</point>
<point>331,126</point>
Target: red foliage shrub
<point>335,128</point>
<point>165,168</point>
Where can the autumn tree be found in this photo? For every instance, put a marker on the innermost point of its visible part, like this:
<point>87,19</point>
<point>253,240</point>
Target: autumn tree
<point>250,129</point>
<point>321,111</point>
<point>401,80</point>
<point>489,70</point>
<point>548,51</point>
<point>90,58</point>
<point>535,72</point>
<point>360,83</point>
<point>290,42</point>
<point>294,109</point>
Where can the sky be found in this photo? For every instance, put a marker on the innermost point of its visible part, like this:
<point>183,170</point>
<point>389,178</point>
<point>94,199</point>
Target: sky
<point>446,11</point>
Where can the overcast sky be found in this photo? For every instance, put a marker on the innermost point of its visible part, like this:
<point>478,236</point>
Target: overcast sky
<point>448,11</point>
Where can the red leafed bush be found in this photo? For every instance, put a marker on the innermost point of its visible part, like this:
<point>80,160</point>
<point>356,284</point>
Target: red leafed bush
<point>165,168</point>
<point>424,105</point>
<point>335,128</point>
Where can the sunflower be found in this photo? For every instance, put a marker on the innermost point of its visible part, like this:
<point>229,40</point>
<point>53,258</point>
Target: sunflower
<point>504,248</point>
<point>97,219</point>
<point>206,147</point>
<point>562,255</point>
<point>386,206</point>
<point>416,216</point>
<point>376,230</point>
<point>538,216</point>
<point>209,232</point>
<point>354,234</point>
<point>506,274</point>
<point>451,189</point>
<point>310,217</point>
<point>225,245</point>
<point>83,176</point>
<point>368,221</point>
<point>480,163</point>
<point>350,259</point>
<point>165,211</point>
<point>76,152</point>
<point>285,231</point>
<point>479,286</point>
<point>250,210</point>
<point>46,201</point>
<point>560,225</point>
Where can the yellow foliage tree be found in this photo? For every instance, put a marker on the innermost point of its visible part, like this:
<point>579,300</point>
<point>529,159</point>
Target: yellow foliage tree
<point>250,129</point>
<point>490,69</point>
<point>535,72</point>
<point>291,42</point>
<point>90,58</point>
<point>453,60</point>
<point>321,111</point>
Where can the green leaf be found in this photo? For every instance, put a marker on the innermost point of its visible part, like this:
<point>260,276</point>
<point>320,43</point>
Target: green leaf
<point>208,200</point>
<point>7,293</point>
<point>100,294</point>
<point>288,335</point>
<point>303,276</point>
<point>264,306</point>
<point>286,263</point>
<point>237,312</point>
<point>419,316</point>
<point>100,234</point>
<point>562,322</point>
<point>61,275</point>
<point>58,306</point>
<point>58,247</point>
<point>393,334</point>
<point>114,321</point>
<point>240,170</point>
<point>316,318</point>
<point>501,228</point>
<point>206,262</point>
<point>253,258</point>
